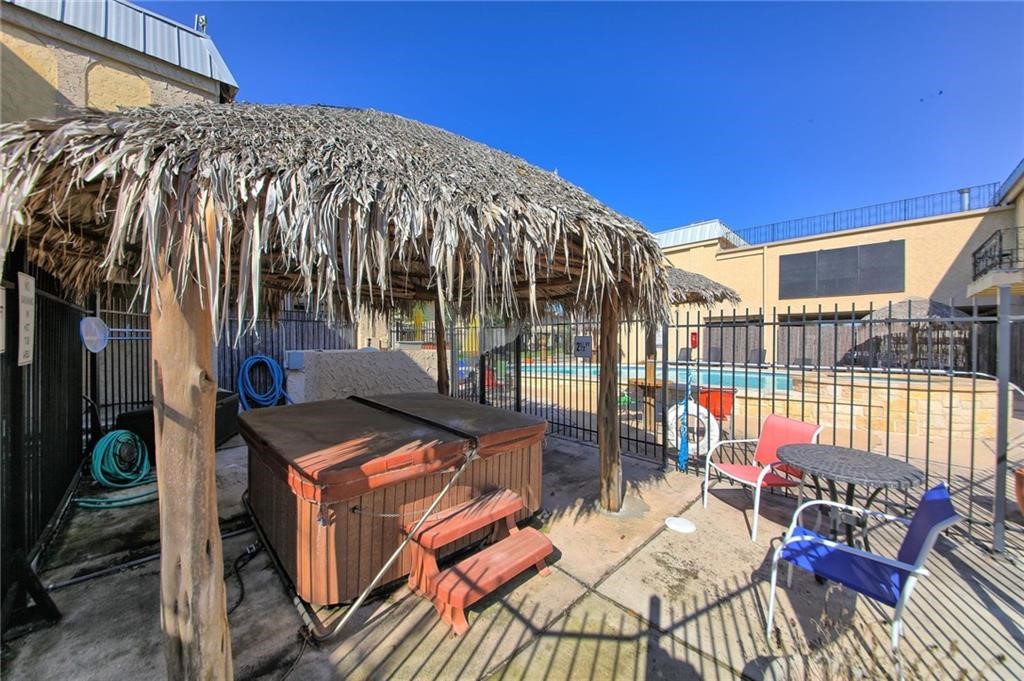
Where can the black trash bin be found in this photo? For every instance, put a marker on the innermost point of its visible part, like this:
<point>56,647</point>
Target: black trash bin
<point>140,422</point>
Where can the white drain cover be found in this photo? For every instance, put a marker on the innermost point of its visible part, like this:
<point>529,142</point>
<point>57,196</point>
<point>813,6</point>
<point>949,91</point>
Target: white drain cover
<point>680,525</point>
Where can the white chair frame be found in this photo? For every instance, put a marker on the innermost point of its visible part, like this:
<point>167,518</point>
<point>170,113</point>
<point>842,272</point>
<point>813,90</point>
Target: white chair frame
<point>914,570</point>
<point>765,470</point>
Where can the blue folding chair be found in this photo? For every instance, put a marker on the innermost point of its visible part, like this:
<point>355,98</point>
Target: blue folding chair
<point>880,578</point>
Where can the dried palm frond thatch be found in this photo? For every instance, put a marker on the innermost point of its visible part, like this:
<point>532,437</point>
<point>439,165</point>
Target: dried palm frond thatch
<point>352,208</point>
<point>690,288</point>
<point>915,310</point>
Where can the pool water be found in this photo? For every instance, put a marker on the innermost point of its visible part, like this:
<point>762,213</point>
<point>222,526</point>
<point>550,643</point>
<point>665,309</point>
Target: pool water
<point>749,379</point>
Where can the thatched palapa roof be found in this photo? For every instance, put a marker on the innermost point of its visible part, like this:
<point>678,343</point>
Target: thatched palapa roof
<point>690,288</point>
<point>353,208</point>
<point>915,309</point>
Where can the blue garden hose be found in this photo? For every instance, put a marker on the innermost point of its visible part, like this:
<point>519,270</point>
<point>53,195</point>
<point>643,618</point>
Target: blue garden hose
<point>120,461</point>
<point>247,393</point>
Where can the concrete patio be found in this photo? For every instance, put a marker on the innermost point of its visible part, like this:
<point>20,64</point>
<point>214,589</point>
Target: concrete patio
<point>626,598</point>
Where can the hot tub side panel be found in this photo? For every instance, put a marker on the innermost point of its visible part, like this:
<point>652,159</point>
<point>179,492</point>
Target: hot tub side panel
<point>334,563</point>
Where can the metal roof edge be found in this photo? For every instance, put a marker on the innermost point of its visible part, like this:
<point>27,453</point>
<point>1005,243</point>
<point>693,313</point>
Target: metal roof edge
<point>1015,175</point>
<point>95,18</point>
<point>702,230</point>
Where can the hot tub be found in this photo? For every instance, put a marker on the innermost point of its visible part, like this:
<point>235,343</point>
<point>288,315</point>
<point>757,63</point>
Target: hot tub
<point>330,483</point>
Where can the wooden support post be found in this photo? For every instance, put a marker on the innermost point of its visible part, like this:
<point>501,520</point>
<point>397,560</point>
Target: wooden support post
<point>650,377</point>
<point>443,381</point>
<point>193,610</point>
<point>608,403</point>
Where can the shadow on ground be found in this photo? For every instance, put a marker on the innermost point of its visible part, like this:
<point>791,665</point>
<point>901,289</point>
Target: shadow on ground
<point>626,599</point>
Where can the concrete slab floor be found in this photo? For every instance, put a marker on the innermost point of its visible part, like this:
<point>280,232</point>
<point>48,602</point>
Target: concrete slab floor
<point>409,641</point>
<point>591,541</point>
<point>91,539</point>
<point>598,639</point>
<point>626,598</point>
<point>710,591</point>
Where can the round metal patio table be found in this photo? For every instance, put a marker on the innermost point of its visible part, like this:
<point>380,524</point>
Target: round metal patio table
<point>852,467</point>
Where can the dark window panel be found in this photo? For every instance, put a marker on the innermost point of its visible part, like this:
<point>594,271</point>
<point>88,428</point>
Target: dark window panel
<point>872,268</point>
<point>837,271</point>
<point>882,267</point>
<point>798,275</point>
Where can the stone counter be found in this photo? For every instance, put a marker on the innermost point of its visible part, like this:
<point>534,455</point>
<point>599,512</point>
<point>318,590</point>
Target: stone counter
<point>315,375</point>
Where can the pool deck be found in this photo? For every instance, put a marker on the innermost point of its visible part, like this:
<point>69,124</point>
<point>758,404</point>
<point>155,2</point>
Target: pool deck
<point>626,598</point>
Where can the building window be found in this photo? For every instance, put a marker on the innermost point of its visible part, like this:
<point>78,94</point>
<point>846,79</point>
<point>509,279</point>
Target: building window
<point>871,268</point>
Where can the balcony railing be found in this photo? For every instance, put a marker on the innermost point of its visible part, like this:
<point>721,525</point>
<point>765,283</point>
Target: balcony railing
<point>1001,251</point>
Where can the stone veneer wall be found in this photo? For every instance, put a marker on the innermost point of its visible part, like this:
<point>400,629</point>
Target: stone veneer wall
<point>49,67</point>
<point>915,409</point>
<point>315,375</point>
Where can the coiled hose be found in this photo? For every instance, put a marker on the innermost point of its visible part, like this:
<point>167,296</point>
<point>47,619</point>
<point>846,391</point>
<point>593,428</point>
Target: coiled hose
<point>248,395</point>
<point>120,461</point>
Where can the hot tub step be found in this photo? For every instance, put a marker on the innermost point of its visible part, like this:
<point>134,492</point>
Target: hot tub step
<point>474,577</point>
<point>454,523</point>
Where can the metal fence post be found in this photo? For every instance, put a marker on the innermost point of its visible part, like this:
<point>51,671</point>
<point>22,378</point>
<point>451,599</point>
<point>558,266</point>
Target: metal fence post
<point>94,378</point>
<point>481,371</point>
<point>482,364</point>
<point>16,504</point>
<point>453,374</point>
<point>519,370</point>
<point>664,394</point>
<point>1002,418</point>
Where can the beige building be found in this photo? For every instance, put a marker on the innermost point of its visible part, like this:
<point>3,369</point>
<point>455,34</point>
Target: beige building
<point>104,54</point>
<point>847,273</point>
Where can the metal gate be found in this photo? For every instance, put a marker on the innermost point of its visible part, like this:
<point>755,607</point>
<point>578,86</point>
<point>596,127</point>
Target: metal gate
<point>41,434</point>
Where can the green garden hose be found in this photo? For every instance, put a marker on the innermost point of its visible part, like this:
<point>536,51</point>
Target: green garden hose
<point>120,461</point>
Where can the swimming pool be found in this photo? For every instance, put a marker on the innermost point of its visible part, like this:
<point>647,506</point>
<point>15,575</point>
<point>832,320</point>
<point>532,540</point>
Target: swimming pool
<point>750,379</point>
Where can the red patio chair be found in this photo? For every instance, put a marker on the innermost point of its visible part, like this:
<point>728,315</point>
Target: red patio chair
<point>765,471</point>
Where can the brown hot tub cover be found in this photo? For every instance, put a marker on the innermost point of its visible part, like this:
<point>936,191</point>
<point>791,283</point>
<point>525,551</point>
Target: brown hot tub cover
<point>338,449</point>
<point>494,429</point>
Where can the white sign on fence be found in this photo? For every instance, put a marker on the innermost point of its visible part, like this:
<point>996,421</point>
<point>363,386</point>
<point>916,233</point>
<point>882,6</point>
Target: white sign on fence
<point>26,318</point>
<point>583,347</point>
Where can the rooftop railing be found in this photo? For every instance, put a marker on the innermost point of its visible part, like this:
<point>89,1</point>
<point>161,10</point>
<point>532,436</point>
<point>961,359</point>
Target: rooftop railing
<point>953,201</point>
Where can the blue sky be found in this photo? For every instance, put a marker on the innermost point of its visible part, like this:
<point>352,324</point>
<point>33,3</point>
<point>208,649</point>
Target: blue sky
<point>669,113</point>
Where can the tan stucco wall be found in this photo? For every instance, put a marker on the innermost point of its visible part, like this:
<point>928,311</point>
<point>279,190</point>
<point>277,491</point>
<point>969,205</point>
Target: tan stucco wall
<point>28,75</point>
<point>109,85</point>
<point>938,261</point>
<point>372,330</point>
<point>47,66</point>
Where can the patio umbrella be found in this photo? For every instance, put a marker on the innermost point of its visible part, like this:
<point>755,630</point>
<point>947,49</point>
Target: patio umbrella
<point>215,209</point>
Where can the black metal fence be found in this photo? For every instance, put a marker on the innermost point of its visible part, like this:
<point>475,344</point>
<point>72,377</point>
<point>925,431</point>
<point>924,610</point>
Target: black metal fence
<point>41,432</point>
<point>907,385</point>
<point>122,375</point>
<point>44,423</point>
